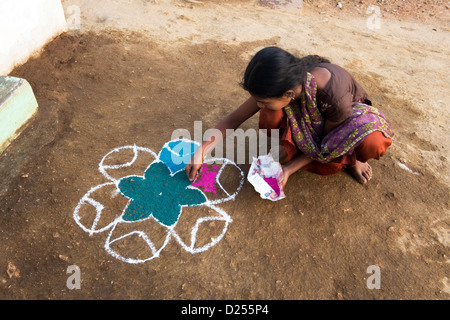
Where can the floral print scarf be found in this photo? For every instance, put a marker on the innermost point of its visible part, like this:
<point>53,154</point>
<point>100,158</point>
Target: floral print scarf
<point>307,124</point>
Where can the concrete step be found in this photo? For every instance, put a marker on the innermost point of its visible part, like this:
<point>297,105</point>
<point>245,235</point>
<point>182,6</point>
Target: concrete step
<point>17,105</point>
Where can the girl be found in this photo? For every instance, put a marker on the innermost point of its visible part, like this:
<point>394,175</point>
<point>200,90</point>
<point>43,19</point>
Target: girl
<point>325,117</point>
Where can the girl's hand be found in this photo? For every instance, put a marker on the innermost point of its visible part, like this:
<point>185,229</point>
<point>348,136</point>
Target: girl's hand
<point>298,162</point>
<point>286,175</point>
<point>194,165</point>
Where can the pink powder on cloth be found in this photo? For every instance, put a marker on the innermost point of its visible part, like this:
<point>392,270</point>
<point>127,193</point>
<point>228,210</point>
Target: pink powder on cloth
<point>273,183</point>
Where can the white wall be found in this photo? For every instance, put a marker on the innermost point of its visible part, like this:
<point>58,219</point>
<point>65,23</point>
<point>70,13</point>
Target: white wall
<point>25,27</point>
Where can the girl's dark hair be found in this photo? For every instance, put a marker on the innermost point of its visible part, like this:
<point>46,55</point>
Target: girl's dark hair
<point>273,71</point>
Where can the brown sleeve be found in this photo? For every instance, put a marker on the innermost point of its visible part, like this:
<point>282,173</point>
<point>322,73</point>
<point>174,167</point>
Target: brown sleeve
<point>339,110</point>
<point>360,94</point>
<point>337,99</point>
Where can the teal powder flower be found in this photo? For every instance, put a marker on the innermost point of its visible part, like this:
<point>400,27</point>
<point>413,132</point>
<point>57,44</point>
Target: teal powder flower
<point>159,194</point>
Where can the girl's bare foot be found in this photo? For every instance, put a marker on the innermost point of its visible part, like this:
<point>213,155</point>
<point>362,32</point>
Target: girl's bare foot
<point>362,172</point>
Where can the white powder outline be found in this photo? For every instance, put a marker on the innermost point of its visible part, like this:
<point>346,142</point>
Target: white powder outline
<point>87,200</point>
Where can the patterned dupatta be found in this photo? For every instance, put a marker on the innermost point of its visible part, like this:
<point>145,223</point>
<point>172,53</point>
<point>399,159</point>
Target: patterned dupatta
<point>307,123</point>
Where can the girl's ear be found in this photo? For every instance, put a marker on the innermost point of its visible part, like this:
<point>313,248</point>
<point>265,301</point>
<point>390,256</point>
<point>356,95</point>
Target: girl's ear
<point>290,94</point>
<point>293,93</point>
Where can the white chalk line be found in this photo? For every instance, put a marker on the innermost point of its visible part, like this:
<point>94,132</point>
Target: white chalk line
<point>166,146</point>
<point>142,235</point>
<point>98,207</point>
<point>135,149</point>
<point>404,167</point>
<point>223,216</point>
<point>232,196</point>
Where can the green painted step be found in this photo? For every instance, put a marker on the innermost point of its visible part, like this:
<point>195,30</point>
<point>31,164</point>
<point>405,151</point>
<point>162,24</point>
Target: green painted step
<point>17,105</point>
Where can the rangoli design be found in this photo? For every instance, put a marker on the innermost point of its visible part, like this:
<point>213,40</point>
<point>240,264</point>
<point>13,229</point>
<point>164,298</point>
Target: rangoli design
<point>160,193</point>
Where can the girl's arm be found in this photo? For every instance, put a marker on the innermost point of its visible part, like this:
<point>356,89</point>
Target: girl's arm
<point>232,121</point>
<point>295,164</point>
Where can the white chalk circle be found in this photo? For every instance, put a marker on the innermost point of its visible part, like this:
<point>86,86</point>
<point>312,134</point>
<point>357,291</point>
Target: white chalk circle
<point>102,208</point>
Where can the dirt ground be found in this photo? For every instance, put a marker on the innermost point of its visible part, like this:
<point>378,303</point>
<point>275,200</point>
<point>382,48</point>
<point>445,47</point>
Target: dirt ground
<point>137,70</point>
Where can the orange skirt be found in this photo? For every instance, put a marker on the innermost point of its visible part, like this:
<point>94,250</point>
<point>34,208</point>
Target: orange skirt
<point>374,146</point>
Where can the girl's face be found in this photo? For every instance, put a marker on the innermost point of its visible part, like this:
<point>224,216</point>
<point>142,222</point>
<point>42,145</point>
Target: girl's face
<point>272,103</point>
<point>278,103</point>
